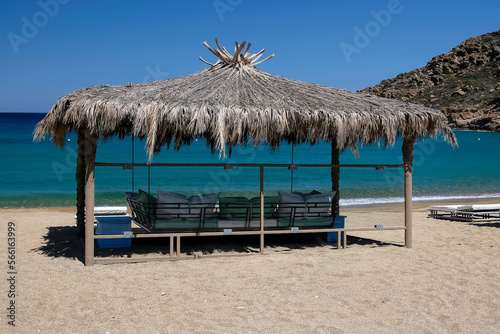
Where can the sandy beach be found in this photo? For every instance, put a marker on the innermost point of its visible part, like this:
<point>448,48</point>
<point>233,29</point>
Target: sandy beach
<point>449,282</point>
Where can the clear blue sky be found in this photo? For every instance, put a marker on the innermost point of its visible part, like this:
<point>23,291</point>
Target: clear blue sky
<point>50,48</point>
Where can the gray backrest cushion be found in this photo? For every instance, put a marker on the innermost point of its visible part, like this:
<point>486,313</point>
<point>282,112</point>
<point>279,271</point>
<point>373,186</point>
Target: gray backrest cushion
<point>288,201</point>
<point>307,205</point>
<point>172,205</point>
<point>207,202</point>
<point>318,205</point>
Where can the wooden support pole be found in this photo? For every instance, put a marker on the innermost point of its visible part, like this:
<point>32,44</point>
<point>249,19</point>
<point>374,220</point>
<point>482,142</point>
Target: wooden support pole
<point>408,208</point>
<point>80,185</point>
<point>335,172</point>
<point>262,209</point>
<point>178,245</point>
<point>408,163</point>
<point>171,253</point>
<point>90,151</point>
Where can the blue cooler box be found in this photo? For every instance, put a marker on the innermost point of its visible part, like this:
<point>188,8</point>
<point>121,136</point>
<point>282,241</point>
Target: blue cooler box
<point>339,223</point>
<point>113,225</point>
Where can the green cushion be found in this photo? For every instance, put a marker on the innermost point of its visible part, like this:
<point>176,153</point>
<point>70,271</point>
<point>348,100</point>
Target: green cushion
<point>149,202</point>
<point>241,208</point>
<point>270,203</point>
<point>234,208</point>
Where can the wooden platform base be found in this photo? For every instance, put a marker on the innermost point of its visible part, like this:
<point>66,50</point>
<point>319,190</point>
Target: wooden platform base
<point>175,253</point>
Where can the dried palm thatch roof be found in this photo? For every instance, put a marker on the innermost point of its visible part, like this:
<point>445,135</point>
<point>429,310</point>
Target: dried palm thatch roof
<point>233,102</point>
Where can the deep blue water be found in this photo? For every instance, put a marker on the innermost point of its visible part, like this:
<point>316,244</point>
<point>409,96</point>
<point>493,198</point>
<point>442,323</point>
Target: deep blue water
<point>37,174</point>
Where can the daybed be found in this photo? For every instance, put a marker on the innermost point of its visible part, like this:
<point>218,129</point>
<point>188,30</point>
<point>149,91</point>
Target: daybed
<point>176,212</point>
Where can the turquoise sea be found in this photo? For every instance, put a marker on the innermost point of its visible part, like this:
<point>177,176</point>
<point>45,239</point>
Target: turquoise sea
<point>39,174</point>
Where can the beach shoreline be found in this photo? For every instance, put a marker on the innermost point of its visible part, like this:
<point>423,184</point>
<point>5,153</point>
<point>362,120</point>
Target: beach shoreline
<point>425,202</point>
<point>448,281</point>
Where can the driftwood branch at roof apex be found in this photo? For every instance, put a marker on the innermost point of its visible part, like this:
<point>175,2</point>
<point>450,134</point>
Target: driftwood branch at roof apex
<point>238,57</point>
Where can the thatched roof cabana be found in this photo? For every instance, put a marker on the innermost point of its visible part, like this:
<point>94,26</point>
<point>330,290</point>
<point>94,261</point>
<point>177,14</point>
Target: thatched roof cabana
<point>232,103</point>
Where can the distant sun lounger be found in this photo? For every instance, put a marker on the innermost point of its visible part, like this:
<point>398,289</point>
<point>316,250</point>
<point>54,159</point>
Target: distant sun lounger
<point>469,213</point>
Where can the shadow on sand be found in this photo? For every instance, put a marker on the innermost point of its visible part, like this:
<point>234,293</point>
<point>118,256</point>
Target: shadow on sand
<point>62,241</point>
<point>488,224</point>
<point>65,242</point>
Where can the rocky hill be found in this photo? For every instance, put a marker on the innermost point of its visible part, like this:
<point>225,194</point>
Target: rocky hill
<point>464,83</point>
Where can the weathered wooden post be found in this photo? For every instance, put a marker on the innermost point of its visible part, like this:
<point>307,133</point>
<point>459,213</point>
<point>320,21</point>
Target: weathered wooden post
<point>90,153</point>
<point>262,209</point>
<point>335,172</point>
<point>80,184</point>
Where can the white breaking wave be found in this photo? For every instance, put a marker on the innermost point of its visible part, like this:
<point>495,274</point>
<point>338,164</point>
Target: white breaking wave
<point>393,200</point>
